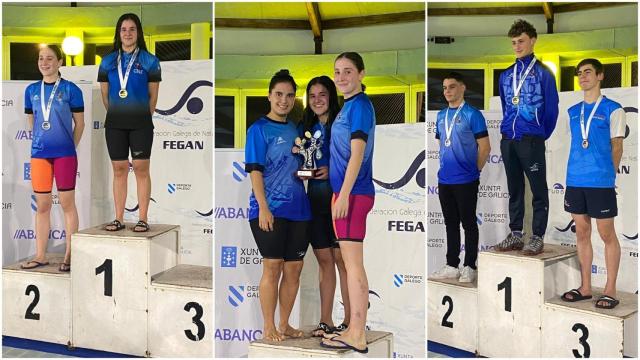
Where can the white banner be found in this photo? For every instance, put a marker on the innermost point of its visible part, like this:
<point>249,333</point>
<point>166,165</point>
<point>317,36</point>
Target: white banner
<point>394,250</point>
<point>493,213</point>
<point>18,201</point>
<point>181,157</point>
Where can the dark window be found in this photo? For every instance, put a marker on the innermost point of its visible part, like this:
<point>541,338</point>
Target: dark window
<point>612,76</point>
<point>496,81</point>
<point>24,61</point>
<point>91,50</point>
<point>258,106</point>
<point>173,50</point>
<point>225,111</point>
<point>389,108</point>
<point>474,81</point>
<point>420,100</point>
<point>634,73</point>
<point>210,48</point>
<point>567,75</point>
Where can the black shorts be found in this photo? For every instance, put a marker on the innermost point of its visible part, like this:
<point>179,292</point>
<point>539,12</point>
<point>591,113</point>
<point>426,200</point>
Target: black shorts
<point>598,203</point>
<point>287,241</point>
<point>321,232</point>
<point>119,141</point>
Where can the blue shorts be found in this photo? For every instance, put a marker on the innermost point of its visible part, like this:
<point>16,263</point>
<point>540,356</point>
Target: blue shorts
<point>598,203</point>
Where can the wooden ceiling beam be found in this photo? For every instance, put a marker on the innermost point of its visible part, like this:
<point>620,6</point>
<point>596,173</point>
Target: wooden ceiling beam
<point>515,10</point>
<point>548,10</point>
<point>262,23</point>
<point>314,18</point>
<point>369,20</point>
<point>586,6</point>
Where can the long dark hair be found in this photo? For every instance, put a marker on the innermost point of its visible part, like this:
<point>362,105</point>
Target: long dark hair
<point>356,59</point>
<point>117,43</point>
<point>309,118</point>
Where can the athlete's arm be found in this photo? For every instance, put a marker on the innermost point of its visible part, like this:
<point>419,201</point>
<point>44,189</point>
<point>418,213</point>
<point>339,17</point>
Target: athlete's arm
<point>104,90</point>
<point>551,100</point>
<point>30,121</point>
<point>484,147</point>
<point>341,206</point>
<point>78,129</point>
<point>616,151</point>
<point>153,96</point>
<point>265,218</point>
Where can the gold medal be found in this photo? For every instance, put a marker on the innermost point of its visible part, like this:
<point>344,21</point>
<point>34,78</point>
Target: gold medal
<point>585,144</point>
<point>123,93</point>
<point>515,100</point>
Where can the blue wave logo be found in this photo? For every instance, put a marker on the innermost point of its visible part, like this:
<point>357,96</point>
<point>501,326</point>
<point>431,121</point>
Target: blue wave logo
<point>135,208</point>
<point>238,172</point>
<point>479,218</point>
<point>171,188</point>
<point>235,295</point>
<point>558,186</point>
<point>205,214</point>
<point>414,169</point>
<point>34,204</point>
<point>397,280</point>
<point>194,105</point>
<point>27,171</point>
<point>571,226</point>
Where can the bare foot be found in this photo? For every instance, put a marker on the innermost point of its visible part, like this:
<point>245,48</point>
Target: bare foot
<point>272,335</point>
<point>291,332</point>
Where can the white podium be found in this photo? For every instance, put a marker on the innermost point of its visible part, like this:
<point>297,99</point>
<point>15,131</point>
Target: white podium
<point>452,309</point>
<point>111,274</point>
<point>380,345</point>
<point>36,303</point>
<point>181,312</point>
<point>579,329</point>
<point>512,289</point>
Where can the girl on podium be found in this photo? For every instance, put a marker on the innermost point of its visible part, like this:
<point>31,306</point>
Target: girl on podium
<point>350,174</point>
<point>278,206</point>
<point>55,112</point>
<point>129,79</point>
<point>322,109</point>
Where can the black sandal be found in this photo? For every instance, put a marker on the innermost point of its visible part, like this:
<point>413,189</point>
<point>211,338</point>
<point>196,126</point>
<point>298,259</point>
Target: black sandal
<point>609,302</point>
<point>576,295</point>
<point>143,225</point>
<point>321,330</point>
<point>340,328</point>
<point>118,225</point>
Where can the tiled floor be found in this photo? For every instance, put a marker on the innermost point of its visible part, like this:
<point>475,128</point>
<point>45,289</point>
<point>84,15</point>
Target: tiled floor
<point>9,352</point>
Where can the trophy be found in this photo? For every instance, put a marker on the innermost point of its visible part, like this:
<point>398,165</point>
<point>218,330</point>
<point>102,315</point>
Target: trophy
<point>309,148</point>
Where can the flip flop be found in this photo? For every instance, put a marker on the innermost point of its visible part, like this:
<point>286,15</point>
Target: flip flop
<point>118,225</point>
<point>330,336</point>
<point>64,267</point>
<point>321,330</point>
<point>37,264</point>
<point>610,302</point>
<point>340,328</point>
<point>344,346</point>
<point>576,295</point>
<point>143,225</point>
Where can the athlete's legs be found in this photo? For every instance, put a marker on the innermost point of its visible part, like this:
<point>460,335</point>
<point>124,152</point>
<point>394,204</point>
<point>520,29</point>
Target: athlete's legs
<point>327,277</point>
<point>271,271</point>
<point>68,203</point>
<point>344,288</point>
<point>43,225</point>
<point>289,285</point>
<point>515,183</point>
<point>120,173</point>
<point>607,232</point>
<point>143,183</point>
<point>585,251</point>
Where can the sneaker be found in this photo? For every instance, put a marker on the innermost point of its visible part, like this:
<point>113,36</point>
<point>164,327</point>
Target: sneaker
<point>467,275</point>
<point>512,242</point>
<point>447,272</point>
<point>534,246</point>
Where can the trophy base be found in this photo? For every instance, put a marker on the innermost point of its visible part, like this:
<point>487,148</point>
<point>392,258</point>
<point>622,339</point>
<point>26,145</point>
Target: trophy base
<point>306,173</point>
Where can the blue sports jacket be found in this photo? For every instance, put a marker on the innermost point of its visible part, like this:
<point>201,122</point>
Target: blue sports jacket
<point>537,112</point>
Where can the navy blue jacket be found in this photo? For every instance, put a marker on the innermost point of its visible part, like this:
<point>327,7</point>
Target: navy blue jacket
<point>537,112</point>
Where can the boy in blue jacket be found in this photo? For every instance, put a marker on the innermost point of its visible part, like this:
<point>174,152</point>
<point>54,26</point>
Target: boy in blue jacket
<point>530,110</point>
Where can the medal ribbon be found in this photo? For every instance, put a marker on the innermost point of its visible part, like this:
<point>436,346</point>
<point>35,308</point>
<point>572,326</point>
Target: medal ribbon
<point>583,130</point>
<point>124,79</point>
<point>46,111</point>
<point>449,128</point>
<point>516,90</point>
